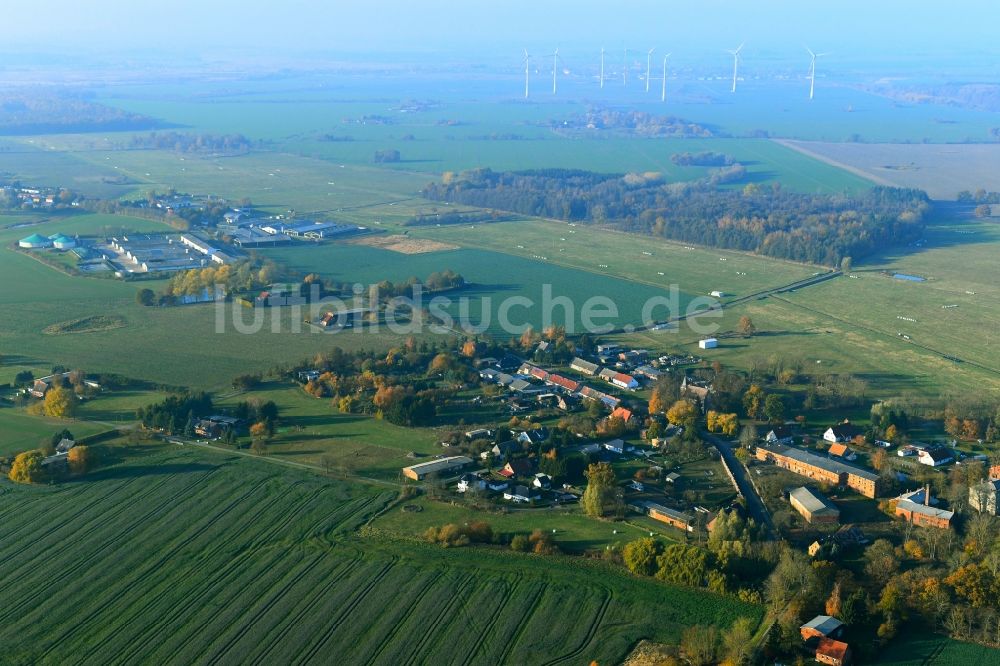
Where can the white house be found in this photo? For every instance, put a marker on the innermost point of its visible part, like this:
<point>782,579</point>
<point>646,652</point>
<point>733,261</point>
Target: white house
<point>708,343</point>
<point>519,495</point>
<point>935,457</point>
<point>470,482</point>
<point>542,481</point>
<point>842,432</point>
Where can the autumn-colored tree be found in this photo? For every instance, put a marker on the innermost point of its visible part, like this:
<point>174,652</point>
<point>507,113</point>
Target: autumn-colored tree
<point>528,338</point>
<point>27,467</point>
<point>753,401</point>
<point>469,348</point>
<point>655,403</point>
<point>880,460</point>
<point>746,326</point>
<point>440,364</point>
<point>835,600</point>
<point>60,403</point>
<point>891,434</point>
<point>683,413</point>
<point>975,583</point>
<point>971,429</point>
<point>80,459</point>
<point>728,424</point>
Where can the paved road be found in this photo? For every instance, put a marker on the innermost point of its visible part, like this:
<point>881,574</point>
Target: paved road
<point>754,504</point>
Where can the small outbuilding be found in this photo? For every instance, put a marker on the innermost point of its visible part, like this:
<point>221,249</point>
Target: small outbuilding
<point>708,343</point>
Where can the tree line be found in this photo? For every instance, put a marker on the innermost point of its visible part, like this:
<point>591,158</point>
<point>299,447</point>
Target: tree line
<point>815,228</point>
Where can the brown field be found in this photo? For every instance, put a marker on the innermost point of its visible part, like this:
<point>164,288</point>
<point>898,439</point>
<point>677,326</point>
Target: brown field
<point>941,170</point>
<point>404,244</point>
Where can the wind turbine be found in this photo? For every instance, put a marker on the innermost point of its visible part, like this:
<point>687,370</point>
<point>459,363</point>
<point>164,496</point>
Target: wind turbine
<point>527,63</point>
<point>663,89</point>
<point>812,70</point>
<point>649,60</point>
<point>736,63</point>
<point>602,67</point>
<point>555,68</point>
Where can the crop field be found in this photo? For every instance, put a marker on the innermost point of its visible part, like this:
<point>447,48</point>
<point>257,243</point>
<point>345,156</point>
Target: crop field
<point>495,277</point>
<point>179,346</point>
<point>640,259</point>
<point>942,170</point>
<point>267,567</point>
<point>913,648</point>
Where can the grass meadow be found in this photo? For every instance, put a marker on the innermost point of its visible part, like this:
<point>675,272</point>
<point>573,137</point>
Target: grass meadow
<point>267,564</point>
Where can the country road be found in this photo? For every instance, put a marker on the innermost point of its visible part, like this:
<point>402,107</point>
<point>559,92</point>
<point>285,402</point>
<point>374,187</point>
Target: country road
<point>755,505</point>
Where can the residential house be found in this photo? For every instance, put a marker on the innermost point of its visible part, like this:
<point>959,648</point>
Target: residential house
<point>779,435</point>
<point>833,652</point>
<point>470,482</point>
<point>536,436</point>
<point>672,477</point>
<point>615,446</point>
<point>520,467</point>
<point>648,372</point>
<point>935,457</point>
<point>565,383</point>
<point>822,626</point>
<point>308,375</point>
<point>65,445</point>
<point>813,506</point>
<point>542,481</point>
<point>619,379</point>
<point>985,497</point>
<point>503,450</point>
<point>841,451</point>
<point>520,495</point>
<point>38,389</point>
<point>842,432</point>
<point>625,415</point>
<point>584,367</point>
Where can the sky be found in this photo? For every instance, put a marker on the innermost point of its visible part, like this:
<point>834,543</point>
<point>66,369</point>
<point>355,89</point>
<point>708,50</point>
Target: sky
<point>479,30</point>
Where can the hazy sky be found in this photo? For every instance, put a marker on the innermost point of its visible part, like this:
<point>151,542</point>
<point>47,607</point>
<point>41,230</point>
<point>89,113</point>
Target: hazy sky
<point>287,27</point>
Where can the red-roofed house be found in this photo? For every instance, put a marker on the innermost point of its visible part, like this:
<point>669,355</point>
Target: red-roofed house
<point>519,467</point>
<point>833,652</point>
<point>564,383</point>
<point>625,415</point>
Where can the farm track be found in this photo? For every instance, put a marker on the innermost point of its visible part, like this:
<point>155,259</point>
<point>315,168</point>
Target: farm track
<point>312,652</point>
<point>40,592</point>
<point>432,627</point>
<point>140,576</point>
<point>512,641</point>
<point>306,607</point>
<point>590,636</point>
<point>488,629</point>
<point>401,621</point>
<point>221,577</point>
<point>875,331</point>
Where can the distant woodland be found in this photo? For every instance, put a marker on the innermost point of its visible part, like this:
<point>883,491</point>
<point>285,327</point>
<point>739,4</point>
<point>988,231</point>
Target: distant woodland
<point>815,228</point>
<point>633,123</point>
<point>192,143</point>
<point>54,115</point>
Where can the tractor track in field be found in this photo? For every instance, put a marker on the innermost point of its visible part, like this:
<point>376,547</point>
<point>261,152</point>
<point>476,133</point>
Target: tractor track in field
<point>276,597</point>
<point>38,592</point>
<point>304,610</point>
<point>166,554</point>
<point>524,624</point>
<point>595,625</point>
<point>438,619</point>
<point>488,629</point>
<point>55,525</point>
<point>387,639</point>
<point>358,598</point>
<point>221,576</point>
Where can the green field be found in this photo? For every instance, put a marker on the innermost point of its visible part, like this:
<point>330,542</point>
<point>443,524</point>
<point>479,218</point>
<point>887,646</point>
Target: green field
<point>181,556</point>
<point>19,431</point>
<point>930,649</point>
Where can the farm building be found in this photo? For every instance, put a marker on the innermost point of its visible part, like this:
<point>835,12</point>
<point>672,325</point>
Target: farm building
<point>817,467</point>
<point>343,318</point>
<point>842,432</point>
<point>681,521</point>
<point>34,242</point>
<point>833,652</point>
<point>917,507</point>
<point>934,457</point>
<point>708,343</point>
<point>984,497</point>
<point>813,506</point>
<point>62,242</point>
<point>821,626</point>
<point>619,379</point>
<point>421,471</point>
<point>841,451</point>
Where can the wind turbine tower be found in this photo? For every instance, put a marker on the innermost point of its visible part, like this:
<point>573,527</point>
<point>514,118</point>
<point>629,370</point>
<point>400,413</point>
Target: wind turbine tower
<point>736,64</point>
<point>649,60</point>
<point>527,63</point>
<point>812,70</point>
<point>555,68</point>
<point>602,67</point>
<point>663,81</point>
